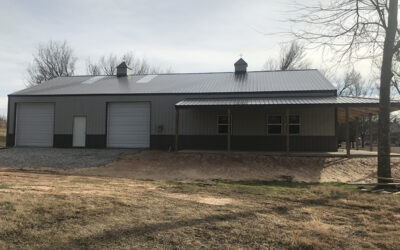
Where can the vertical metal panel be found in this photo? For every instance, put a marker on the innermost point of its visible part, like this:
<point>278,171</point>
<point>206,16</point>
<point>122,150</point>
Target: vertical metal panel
<point>287,132</point>
<point>200,121</point>
<point>229,130</point>
<point>176,129</point>
<point>252,121</point>
<point>316,121</point>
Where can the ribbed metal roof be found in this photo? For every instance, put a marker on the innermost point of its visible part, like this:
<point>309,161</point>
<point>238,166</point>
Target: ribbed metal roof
<point>228,82</point>
<point>329,100</point>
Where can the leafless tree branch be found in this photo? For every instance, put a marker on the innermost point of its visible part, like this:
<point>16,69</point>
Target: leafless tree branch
<point>52,59</point>
<point>291,57</point>
<point>355,30</point>
<point>107,65</point>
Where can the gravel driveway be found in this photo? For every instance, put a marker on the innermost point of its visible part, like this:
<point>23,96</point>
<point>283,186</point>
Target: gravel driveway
<point>60,158</point>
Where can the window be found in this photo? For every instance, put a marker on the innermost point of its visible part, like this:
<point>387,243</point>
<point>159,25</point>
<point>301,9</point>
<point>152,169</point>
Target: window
<point>274,124</point>
<point>223,124</point>
<point>294,124</point>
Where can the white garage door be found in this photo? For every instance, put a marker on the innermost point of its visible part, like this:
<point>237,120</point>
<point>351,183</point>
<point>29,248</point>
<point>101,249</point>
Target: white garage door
<point>35,124</point>
<point>128,125</point>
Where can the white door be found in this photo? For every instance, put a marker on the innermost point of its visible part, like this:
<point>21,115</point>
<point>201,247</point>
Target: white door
<point>128,125</point>
<point>79,133</point>
<point>35,124</point>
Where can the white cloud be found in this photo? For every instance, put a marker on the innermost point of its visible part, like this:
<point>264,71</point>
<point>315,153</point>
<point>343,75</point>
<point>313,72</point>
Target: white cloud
<point>3,106</point>
<point>188,36</point>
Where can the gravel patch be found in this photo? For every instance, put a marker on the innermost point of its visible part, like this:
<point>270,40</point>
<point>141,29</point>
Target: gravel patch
<point>60,158</point>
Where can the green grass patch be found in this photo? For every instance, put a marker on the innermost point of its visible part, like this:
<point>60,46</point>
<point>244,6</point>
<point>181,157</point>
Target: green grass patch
<point>264,187</point>
<point>341,185</point>
<point>5,186</point>
<point>252,187</point>
<point>89,181</point>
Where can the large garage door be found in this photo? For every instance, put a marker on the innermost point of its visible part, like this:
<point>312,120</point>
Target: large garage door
<point>35,124</point>
<point>128,125</point>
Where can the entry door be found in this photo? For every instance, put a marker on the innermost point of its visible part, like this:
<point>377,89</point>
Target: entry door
<point>79,134</point>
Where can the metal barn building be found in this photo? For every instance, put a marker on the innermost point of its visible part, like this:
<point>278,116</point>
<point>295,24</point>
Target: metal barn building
<point>240,110</point>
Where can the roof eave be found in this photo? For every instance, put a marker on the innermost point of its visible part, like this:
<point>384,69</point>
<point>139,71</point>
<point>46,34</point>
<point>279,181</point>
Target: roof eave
<point>331,91</point>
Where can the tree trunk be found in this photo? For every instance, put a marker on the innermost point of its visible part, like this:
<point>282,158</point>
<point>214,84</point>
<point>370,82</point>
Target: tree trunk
<point>384,95</point>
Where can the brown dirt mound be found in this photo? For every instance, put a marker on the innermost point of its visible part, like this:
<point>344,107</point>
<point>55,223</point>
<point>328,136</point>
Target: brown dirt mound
<point>161,165</point>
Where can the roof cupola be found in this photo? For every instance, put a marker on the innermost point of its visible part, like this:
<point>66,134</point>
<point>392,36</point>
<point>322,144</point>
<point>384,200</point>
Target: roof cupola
<point>123,69</point>
<point>240,66</point>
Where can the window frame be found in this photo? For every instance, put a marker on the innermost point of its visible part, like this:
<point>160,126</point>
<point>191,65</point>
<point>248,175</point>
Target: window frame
<point>274,124</point>
<point>295,124</point>
<point>224,124</point>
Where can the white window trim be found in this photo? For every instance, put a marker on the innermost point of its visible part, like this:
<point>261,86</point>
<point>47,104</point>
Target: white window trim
<point>223,124</point>
<point>299,124</point>
<point>276,124</point>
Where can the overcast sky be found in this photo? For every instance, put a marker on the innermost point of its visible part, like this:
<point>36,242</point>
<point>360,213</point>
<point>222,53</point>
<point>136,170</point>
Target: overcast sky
<point>184,35</point>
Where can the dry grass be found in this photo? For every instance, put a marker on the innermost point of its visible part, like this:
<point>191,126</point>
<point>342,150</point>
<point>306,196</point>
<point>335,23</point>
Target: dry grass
<point>2,134</point>
<point>74,212</point>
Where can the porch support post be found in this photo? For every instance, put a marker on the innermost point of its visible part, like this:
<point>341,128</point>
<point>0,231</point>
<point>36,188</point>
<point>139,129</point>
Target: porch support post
<point>176,129</point>
<point>347,132</point>
<point>287,132</point>
<point>336,127</point>
<point>228,142</point>
<point>357,133</point>
<point>370,132</point>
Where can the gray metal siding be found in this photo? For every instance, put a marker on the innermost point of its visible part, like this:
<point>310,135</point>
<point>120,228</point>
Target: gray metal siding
<point>200,121</point>
<point>252,121</point>
<point>94,107</point>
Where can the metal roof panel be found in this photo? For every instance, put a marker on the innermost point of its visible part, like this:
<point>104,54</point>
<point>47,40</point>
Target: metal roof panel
<point>193,83</point>
<point>328,100</point>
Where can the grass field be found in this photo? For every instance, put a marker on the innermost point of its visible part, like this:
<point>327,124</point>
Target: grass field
<point>2,134</point>
<point>73,212</point>
<point>2,137</point>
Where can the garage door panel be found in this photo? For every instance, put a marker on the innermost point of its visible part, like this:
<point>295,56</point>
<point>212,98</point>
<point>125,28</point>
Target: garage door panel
<point>35,124</point>
<point>128,125</point>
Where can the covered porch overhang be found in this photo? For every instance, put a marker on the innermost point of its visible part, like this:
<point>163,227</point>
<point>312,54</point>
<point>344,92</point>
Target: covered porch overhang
<point>347,109</point>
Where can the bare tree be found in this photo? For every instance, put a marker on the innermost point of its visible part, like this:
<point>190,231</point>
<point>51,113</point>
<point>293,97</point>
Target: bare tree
<point>354,85</point>
<point>92,69</point>
<point>51,60</point>
<point>107,65</point>
<point>356,30</point>
<point>291,57</point>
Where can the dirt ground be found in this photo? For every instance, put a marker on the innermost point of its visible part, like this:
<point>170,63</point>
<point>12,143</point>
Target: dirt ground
<point>393,149</point>
<point>161,165</point>
<point>164,166</point>
<point>49,211</point>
